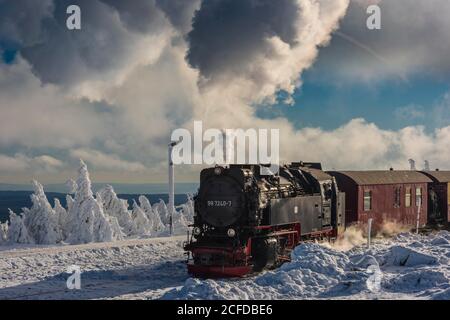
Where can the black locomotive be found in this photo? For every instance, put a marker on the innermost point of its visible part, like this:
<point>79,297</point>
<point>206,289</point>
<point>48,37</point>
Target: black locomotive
<point>246,221</point>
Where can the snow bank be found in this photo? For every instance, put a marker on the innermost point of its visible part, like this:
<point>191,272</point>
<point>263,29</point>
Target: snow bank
<point>313,269</point>
<point>88,218</point>
<point>403,269</point>
<point>403,256</point>
<point>419,280</point>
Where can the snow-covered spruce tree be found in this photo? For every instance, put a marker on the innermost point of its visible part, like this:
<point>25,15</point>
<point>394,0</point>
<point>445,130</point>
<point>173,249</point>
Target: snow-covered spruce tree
<point>180,224</point>
<point>62,217</point>
<point>69,202</point>
<point>3,233</point>
<point>157,227</point>
<point>143,227</point>
<point>17,231</point>
<point>183,216</point>
<point>161,209</point>
<point>72,186</point>
<point>40,220</point>
<point>87,222</point>
<point>115,207</point>
<point>116,230</point>
<point>117,233</point>
<point>188,208</point>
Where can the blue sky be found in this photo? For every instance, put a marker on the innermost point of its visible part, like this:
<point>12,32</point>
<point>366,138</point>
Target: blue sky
<point>323,104</point>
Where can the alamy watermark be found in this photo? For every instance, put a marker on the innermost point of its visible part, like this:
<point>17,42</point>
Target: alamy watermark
<point>73,21</point>
<point>373,282</point>
<point>227,146</point>
<point>373,22</point>
<point>74,280</point>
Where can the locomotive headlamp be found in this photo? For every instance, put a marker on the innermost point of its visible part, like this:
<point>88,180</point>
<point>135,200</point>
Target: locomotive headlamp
<point>197,231</point>
<point>218,171</point>
<point>231,233</point>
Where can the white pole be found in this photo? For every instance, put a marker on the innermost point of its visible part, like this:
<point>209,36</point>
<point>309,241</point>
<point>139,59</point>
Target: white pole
<point>171,187</point>
<point>369,231</point>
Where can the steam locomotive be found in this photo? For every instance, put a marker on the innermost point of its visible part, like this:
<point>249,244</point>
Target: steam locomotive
<point>247,220</point>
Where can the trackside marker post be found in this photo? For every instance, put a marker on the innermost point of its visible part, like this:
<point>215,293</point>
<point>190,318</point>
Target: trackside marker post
<point>171,185</point>
<point>369,232</point>
<point>419,202</point>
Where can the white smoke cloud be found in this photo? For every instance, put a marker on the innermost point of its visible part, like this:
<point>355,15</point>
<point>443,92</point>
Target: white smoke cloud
<point>253,49</point>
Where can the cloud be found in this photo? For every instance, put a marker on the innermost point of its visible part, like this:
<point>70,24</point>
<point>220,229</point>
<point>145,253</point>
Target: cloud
<point>362,145</point>
<point>106,161</point>
<point>435,115</point>
<point>115,37</point>
<point>410,112</point>
<point>413,41</point>
<point>179,12</point>
<point>18,27</point>
<point>21,162</point>
<point>42,116</point>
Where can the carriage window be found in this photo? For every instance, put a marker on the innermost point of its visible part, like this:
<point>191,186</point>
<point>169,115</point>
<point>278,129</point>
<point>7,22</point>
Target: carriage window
<point>408,197</point>
<point>367,200</point>
<point>397,195</point>
<point>418,197</point>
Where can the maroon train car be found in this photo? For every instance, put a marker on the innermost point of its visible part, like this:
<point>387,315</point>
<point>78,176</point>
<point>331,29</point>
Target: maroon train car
<point>384,196</point>
<point>439,197</point>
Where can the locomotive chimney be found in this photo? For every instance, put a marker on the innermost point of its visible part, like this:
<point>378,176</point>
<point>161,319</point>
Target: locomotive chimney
<point>426,166</point>
<point>412,164</point>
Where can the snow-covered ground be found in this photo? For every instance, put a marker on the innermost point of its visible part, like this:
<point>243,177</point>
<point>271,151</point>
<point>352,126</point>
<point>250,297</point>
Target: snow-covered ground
<point>128,269</point>
<point>411,267</point>
<point>407,267</point>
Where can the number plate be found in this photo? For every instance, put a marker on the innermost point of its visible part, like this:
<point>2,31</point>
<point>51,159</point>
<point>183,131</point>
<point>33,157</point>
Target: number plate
<point>219,203</point>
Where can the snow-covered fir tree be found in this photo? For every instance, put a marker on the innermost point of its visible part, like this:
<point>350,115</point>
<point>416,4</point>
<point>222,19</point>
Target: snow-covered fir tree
<point>40,220</point>
<point>87,221</point>
<point>152,215</point>
<point>116,230</point>
<point>17,231</point>
<point>161,210</point>
<point>143,226</point>
<point>3,233</point>
<point>188,208</point>
<point>180,223</point>
<point>62,217</point>
<point>118,208</point>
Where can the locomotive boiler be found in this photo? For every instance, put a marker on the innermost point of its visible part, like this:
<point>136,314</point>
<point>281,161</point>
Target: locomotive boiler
<point>246,220</point>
